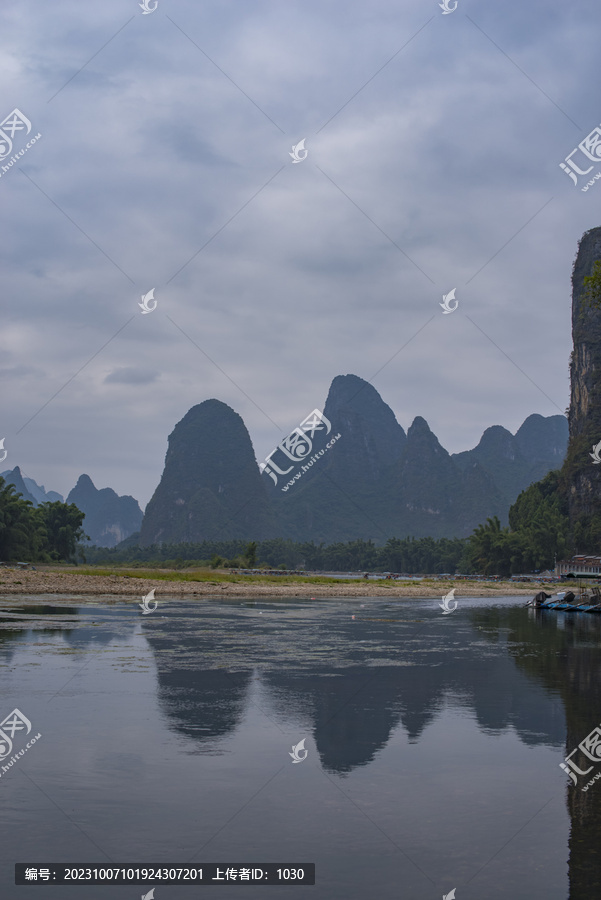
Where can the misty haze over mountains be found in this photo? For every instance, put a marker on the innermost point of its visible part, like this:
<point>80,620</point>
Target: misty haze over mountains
<point>370,479</point>
<point>375,481</point>
<point>109,519</point>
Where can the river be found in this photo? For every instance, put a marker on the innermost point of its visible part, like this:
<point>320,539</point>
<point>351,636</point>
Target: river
<point>430,759</point>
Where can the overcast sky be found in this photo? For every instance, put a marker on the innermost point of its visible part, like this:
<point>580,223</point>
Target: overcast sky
<point>433,147</point>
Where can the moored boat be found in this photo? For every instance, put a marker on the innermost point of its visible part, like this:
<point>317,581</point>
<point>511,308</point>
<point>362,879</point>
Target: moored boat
<point>568,602</point>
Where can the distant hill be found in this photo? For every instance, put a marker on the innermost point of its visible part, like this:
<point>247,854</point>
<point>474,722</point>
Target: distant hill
<point>515,461</point>
<point>379,482</point>
<point>15,478</point>
<point>433,496</point>
<point>109,518</point>
<point>346,493</point>
<point>352,474</point>
<point>29,488</point>
<point>211,487</point>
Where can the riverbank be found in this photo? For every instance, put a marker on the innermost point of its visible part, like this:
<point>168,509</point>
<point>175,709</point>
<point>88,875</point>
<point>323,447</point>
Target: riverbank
<point>172,583</point>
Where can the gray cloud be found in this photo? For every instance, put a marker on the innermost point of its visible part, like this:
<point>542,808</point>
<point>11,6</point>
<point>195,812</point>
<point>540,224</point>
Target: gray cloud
<point>129,375</point>
<point>437,164</point>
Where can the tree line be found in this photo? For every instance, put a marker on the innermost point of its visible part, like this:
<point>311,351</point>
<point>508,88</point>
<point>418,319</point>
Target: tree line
<point>408,555</point>
<point>538,533</point>
<point>50,532</point>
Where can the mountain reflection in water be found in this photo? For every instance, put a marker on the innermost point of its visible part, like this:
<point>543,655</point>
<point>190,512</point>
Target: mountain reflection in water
<point>353,700</point>
<point>354,683</point>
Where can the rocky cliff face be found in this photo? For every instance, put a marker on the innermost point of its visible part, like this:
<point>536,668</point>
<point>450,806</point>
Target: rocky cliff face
<point>109,518</point>
<point>211,488</point>
<point>581,477</point>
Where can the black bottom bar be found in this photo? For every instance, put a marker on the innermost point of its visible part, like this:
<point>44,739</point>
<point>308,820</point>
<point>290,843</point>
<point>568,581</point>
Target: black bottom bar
<point>145,874</point>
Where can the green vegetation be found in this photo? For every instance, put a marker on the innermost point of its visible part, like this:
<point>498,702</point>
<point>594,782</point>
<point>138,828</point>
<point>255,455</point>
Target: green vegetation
<point>251,555</point>
<point>47,533</point>
<point>408,555</point>
<point>413,555</point>
<point>592,287</point>
<point>211,576</point>
<point>538,533</point>
<point>246,560</point>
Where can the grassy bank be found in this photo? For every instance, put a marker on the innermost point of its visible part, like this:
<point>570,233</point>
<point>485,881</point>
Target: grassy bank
<point>214,576</point>
<point>57,580</point>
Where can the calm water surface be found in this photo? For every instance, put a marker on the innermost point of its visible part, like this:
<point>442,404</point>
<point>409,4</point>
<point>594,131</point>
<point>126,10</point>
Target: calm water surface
<point>433,742</point>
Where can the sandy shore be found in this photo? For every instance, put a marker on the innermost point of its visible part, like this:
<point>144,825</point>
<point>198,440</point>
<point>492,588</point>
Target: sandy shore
<point>71,583</point>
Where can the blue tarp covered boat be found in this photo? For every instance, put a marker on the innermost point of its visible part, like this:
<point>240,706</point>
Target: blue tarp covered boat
<point>568,602</point>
